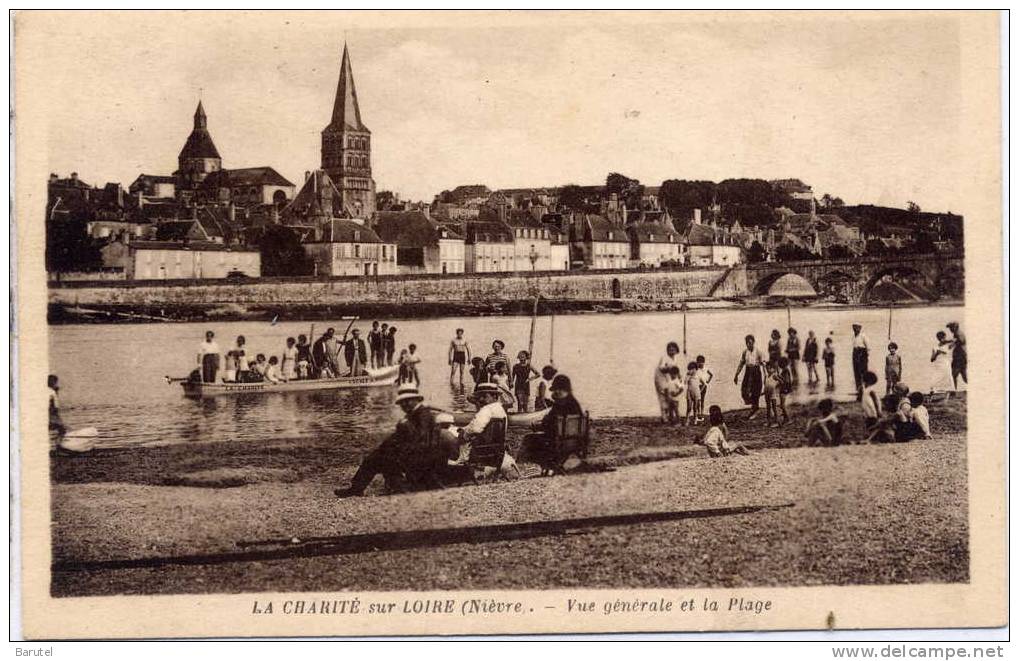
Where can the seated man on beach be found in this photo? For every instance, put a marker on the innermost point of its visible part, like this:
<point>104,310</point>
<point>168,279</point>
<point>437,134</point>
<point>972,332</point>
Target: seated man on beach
<point>716,439</point>
<point>827,429</point>
<point>897,410</point>
<point>486,397</point>
<point>410,453</point>
<point>538,447</point>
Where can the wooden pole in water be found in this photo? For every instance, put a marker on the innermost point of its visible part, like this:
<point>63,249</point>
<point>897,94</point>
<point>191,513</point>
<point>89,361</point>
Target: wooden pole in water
<point>890,305</point>
<point>683,308</point>
<point>788,314</point>
<point>534,319</point>
<point>551,340</point>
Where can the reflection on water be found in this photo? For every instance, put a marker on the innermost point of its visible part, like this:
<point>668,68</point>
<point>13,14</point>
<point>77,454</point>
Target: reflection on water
<point>112,376</point>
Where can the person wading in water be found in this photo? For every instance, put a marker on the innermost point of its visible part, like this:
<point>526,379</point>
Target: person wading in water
<point>752,361</point>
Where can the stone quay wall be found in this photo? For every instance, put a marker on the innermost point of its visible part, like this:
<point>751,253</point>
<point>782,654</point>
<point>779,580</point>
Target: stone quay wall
<point>651,286</point>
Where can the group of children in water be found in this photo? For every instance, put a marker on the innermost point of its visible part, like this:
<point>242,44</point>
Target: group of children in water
<point>900,415</point>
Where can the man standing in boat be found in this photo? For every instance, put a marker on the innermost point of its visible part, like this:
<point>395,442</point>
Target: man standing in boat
<point>412,452</point>
<point>326,352</point>
<point>208,358</point>
<point>356,354</point>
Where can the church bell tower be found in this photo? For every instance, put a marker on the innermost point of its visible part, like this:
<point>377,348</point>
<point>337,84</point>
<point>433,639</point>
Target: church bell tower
<point>346,148</point>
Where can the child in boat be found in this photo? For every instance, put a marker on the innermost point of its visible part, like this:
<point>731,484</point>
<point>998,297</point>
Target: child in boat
<point>716,439</point>
<point>543,399</point>
<point>693,393</point>
<point>272,371</point>
<point>828,356</point>
<point>521,380</point>
<point>288,368</point>
<point>303,357</point>
<point>706,376</point>
<point>827,429</point>
<point>675,390</point>
<point>259,367</point>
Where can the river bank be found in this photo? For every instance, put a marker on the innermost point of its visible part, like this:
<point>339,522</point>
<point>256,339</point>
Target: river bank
<point>831,516</point>
<point>64,314</point>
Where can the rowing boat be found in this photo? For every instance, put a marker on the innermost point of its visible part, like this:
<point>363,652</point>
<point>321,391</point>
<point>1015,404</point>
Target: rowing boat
<point>374,378</point>
<point>525,419</point>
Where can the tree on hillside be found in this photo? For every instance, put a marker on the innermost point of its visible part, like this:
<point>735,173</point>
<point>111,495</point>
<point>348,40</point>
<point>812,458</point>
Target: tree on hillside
<point>282,253</point>
<point>912,207</point>
<point>629,190</point>
<point>788,252</point>
<point>826,201</point>
<point>683,196</point>
<point>756,253</point>
<point>751,191</point>
<point>571,198</point>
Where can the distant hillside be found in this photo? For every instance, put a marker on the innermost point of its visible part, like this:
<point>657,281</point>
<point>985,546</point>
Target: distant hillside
<point>884,220</point>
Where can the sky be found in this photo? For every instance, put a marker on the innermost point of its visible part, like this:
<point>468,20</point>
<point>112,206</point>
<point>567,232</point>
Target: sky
<point>866,109</point>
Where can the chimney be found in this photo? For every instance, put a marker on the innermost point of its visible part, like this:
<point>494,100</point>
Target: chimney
<point>53,177</point>
<point>120,196</point>
<point>696,216</point>
<point>428,212</point>
<point>307,175</point>
<point>74,176</point>
<point>275,217</point>
<point>194,212</point>
<point>231,212</point>
<point>141,198</point>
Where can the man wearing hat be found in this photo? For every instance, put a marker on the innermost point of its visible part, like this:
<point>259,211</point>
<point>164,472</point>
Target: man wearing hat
<point>411,452</point>
<point>487,398</point>
<point>860,350</point>
<point>356,353</point>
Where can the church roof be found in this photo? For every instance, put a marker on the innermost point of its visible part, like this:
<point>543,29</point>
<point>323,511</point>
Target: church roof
<point>199,144</point>
<point>318,197</point>
<point>346,112</point>
<point>411,229</point>
<point>260,176</point>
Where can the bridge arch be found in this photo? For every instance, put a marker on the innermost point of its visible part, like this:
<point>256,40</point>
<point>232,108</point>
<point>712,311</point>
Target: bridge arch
<point>785,283</point>
<point>898,283</point>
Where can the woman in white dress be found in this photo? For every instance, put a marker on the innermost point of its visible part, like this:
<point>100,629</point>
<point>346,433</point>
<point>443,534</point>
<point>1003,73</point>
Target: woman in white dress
<point>289,366</point>
<point>665,365</point>
<point>941,364</point>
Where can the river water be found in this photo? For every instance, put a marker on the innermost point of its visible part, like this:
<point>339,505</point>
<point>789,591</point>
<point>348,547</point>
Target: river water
<point>112,376</point>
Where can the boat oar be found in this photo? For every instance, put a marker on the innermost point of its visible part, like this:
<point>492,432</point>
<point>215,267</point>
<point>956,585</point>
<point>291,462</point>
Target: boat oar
<point>85,432</point>
<point>170,380</point>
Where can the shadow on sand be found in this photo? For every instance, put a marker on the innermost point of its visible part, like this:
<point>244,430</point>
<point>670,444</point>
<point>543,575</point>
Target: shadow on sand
<point>282,549</point>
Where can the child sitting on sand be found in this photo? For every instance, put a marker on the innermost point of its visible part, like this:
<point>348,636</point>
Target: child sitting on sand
<point>716,439</point>
<point>827,429</point>
<point>870,403</point>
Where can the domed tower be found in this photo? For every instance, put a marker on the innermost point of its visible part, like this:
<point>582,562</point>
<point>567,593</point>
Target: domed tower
<point>199,157</point>
<point>346,148</point>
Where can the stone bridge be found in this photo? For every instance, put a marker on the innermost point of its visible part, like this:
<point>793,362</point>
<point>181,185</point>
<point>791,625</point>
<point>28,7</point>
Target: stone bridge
<point>864,279</point>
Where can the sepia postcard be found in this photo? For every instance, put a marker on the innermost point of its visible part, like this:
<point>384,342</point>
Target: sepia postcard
<point>507,322</point>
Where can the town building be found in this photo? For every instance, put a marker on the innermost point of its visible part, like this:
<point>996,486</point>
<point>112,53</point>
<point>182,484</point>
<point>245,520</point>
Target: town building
<point>346,148</point>
<point>164,260</point>
<point>654,244</point>
<point>153,186</point>
<point>349,248</point>
<point>422,244</point>
<point>708,245</point>
<point>598,243</point>
<point>559,248</point>
<point>488,247</point>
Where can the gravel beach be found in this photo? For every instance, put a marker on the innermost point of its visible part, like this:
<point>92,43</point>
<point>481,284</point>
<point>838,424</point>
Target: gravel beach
<point>263,518</point>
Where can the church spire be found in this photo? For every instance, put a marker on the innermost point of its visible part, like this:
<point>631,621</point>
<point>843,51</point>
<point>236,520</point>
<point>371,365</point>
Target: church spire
<point>346,113</point>
<point>200,119</point>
